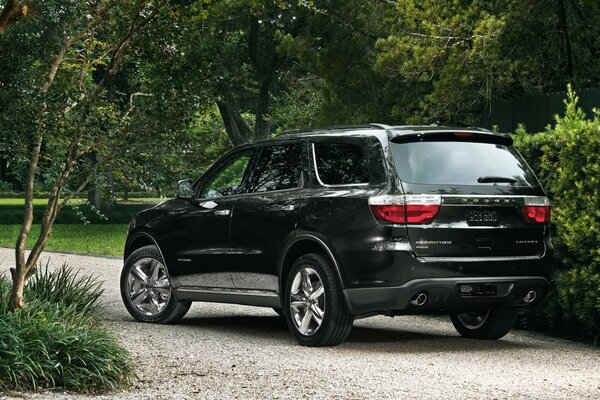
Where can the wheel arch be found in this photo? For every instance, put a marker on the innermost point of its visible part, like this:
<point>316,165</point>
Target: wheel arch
<point>305,243</point>
<point>140,239</point>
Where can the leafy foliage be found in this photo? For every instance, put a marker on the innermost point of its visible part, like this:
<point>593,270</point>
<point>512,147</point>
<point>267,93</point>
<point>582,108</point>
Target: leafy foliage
<point>57,340</point>
<point>570,167</point>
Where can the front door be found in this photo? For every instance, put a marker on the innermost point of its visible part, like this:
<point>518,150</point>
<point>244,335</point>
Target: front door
<point>201,236</point>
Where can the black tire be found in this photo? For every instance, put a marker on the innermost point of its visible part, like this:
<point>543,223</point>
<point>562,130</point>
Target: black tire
<point>488,324</point>
<point>336,322</point>
<point>172,311</point>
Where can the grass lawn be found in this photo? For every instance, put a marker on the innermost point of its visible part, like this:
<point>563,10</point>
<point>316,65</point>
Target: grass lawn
<point>105,239</point>
<point>43,202</point>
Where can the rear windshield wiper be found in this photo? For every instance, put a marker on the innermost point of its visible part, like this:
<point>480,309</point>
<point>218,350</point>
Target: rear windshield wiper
<point>493,179</point>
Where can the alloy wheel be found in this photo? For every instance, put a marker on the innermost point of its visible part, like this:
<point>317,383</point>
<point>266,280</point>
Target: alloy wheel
<point>148,286</point>
<point>307,301</point>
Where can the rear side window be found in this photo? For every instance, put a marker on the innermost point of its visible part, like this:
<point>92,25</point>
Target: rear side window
<point>341,164</point>
<point>460,163</point>
<point>278,168</point>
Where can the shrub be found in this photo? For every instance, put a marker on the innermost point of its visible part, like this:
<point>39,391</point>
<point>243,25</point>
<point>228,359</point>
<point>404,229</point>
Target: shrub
<point>57,340</point>
<point>568,160</point>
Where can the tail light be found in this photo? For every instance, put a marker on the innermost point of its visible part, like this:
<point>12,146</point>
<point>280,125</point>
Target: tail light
<point>405,209</point>
<point>536,210</point>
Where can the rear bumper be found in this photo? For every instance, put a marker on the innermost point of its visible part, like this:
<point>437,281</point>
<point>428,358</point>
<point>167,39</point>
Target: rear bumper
<point>443,295</point>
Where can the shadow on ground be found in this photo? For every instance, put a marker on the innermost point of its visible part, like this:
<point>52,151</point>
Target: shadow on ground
<point>274,330</point>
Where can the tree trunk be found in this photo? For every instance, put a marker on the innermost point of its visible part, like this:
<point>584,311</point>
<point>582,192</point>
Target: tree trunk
<point>3,167</point>
<point>12,10</point>
<point>261,127</point>
<point>235,126</point>
<point>562,15</point>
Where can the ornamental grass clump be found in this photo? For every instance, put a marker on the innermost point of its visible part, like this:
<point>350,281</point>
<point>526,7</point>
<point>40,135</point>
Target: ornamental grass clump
<point>58,340</point>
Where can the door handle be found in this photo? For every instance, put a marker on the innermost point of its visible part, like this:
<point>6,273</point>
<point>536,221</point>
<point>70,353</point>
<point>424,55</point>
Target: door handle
<point>287,207</point>
<point>222,212</point>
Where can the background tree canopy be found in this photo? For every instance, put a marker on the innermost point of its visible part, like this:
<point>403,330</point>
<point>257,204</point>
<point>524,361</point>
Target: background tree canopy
<point>227,72</point>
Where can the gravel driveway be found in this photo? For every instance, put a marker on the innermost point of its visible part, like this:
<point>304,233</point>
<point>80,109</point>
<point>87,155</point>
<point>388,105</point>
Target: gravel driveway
<point>228,351</point>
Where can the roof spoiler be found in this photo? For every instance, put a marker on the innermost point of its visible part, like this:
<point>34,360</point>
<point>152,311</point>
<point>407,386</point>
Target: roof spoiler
<point>450,136</point>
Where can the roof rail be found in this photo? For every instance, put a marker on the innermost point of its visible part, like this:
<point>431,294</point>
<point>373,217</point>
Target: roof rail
<point>329,128</point>
<point>382,126</point>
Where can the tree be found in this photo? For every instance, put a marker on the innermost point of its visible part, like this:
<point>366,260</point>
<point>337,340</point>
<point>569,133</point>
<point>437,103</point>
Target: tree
<point>466,53</point>
<point>60,102</point>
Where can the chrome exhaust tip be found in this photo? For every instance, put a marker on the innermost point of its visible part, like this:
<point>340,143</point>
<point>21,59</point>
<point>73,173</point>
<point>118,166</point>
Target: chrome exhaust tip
<point>530,296</point>
<point>420,299</point>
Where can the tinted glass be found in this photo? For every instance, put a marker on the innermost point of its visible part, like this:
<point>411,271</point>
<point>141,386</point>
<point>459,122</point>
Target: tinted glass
<point>278,168</point>
<point>341,164</point>
<point>459,163</point>
<point>228,180</point>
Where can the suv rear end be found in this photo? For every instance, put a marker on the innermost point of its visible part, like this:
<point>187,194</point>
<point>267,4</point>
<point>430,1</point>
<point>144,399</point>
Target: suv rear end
<point>465,226</point>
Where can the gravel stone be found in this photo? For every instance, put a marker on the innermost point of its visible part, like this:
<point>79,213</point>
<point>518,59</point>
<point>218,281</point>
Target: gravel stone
<point>237,352</point>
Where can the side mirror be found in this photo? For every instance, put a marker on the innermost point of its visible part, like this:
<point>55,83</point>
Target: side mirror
<point>184,189</point>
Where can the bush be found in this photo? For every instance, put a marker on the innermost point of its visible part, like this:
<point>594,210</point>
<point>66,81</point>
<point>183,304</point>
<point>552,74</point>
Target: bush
<point>57,340</point>
<point>567,159</point>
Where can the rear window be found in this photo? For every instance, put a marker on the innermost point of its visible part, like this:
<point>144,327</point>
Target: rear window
<point>341,164</point>
<point>460,163</point>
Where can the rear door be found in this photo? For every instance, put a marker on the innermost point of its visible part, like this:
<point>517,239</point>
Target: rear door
<point>489,203</point>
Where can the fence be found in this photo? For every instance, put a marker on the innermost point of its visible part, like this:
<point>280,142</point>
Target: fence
<point>535,111</point>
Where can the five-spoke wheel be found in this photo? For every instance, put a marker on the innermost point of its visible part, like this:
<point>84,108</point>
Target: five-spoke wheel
<point>316,312</point>
<point>307,301</point>
<point>148,286</point>
<point>146,289</point>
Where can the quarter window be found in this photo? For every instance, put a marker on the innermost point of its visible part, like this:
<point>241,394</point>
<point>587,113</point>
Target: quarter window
<point>278,168</point>
<point>341,164</point>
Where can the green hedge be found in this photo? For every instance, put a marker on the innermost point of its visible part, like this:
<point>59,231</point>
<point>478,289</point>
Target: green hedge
<point>567,160</point>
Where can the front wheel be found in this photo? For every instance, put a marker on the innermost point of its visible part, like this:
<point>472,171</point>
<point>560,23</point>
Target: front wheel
<point>316,313</point>
<point>146,288</point>
<point>490,324</point>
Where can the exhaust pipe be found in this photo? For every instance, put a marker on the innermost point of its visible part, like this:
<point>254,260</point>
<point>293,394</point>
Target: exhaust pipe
<point>530,296</point>
<point>420,299</point>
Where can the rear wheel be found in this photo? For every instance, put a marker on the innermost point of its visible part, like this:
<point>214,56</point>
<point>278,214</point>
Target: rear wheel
<point>316,313</point>
<point>146,288</point>
<point>491,323</point>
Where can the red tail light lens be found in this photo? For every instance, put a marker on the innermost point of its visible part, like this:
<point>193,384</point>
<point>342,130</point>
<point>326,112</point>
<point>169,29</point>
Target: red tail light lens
<point>406,209</point>
<point>536,214</point>
<point>395,214</point>
<point>536,210</point>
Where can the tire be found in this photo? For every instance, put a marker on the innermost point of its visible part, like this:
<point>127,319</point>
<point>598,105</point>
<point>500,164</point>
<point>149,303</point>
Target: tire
<point>146,288</point>
<point>278,311</point>
<point>302,298</point>
<point>488,324</point>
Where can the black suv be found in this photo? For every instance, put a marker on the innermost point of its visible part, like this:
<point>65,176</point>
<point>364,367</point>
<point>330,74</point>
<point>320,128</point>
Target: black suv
<point>329,225</point>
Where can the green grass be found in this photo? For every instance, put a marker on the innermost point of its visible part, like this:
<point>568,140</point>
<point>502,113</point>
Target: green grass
<point>105,239</point>
<point>43,202</point>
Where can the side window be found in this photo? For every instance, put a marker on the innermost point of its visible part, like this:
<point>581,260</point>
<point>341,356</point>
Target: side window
<point>229,179</point>
<point>341,164</point>
<point>278,168</point>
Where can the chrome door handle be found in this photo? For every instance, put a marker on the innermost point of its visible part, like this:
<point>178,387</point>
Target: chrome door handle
<point>222,212</point>
<point>288,207</point>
